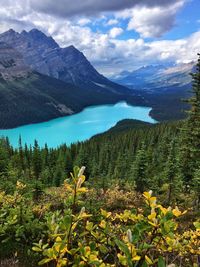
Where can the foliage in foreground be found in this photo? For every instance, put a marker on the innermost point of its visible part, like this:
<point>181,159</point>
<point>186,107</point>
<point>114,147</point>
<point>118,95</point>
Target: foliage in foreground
<point>150,235</point>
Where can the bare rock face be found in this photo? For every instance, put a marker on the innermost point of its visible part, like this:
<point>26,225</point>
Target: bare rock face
<point>12,65</point>
<point>44,55</point>
<point>68,64</point>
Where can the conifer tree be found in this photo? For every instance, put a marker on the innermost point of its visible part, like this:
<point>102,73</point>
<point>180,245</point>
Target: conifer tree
<point>37,163</point>
<point>196,187</point>
<point>190,145</point>
<point>139,168</point>
<point>170,173</point>
<point>21,155</point>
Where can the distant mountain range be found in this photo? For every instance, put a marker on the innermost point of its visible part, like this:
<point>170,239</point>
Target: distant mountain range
<point>162,86</point>
<point>151,77</point>
<point>40,81</point>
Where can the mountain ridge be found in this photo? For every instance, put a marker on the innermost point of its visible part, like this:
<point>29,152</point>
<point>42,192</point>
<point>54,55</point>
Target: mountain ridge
<point>43,54</point>
<point>151,77</point>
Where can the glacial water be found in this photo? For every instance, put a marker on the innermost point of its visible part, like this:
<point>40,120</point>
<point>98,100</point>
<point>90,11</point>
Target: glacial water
<point>78,127</point>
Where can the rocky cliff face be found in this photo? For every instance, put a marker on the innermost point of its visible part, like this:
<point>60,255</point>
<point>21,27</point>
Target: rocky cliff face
<point>68,64</point>
<point>12,65</point>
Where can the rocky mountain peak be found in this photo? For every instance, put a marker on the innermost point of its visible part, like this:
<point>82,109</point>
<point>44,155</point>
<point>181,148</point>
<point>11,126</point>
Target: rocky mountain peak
<point>36,37</point>
<point>68,64</point>
<point>35,31</point>
<point>44,55</point>
<point>11,31</point>
<point>9,36</point>
<point>72,48</point>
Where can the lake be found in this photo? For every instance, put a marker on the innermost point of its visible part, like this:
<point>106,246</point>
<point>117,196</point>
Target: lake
<point>77,127</point>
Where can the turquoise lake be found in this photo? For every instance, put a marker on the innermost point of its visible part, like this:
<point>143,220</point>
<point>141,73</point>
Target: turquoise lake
<point>78,127</point>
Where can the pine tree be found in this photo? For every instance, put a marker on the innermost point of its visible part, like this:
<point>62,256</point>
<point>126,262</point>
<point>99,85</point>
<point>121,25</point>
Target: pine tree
<point>21,155</point>
<point>190,144</point>
<point>37,163</point>
<point>139,168</point>
<point>196,187</point>
<point>4,159</point>
<point>173,180</point>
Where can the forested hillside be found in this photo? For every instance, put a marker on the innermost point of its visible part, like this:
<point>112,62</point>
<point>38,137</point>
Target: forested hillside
<point>40,98</point>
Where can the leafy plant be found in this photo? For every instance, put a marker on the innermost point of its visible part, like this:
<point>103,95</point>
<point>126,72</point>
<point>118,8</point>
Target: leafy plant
<point>148,236</point>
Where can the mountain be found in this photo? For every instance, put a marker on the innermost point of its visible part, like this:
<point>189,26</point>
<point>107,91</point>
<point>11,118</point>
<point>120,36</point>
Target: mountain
<point>162,86</point>
<point>28,96</point>
<point>139,77</point>
<point>68,64</point>
<point>152,77</point>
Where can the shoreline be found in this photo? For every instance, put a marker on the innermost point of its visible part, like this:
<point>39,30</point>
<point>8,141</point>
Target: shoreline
<point>81,110</point>
<point>48,132</point>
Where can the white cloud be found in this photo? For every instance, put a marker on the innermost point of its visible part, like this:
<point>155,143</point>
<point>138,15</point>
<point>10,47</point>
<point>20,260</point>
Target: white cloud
<point>12,15</point>
<point>114,32</point>
<point>116,55</point>
<point>181,51</point>
<point>112,22</point>
<point>68,8</point>
<point>155,21</point>
<point>83,21</point>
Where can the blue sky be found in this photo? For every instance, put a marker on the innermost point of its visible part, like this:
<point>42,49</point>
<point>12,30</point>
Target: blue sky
<point>187,21</point>
<point>114,35</point>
